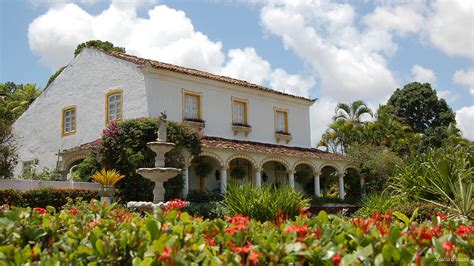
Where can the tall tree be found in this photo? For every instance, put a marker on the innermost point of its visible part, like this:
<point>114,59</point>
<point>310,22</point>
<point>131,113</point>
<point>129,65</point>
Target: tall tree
<point>418,106</point>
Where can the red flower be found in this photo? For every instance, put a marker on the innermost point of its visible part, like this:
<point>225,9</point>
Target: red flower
<point>448,247</point>
<point>73,211</point>
<point>464,230</point>
<point>93,223</point>
<point>300,230</point>
<point>40,210</point>
<point>304,211</point>
<point>441,216</point>
<point>253,257</point>
<point>237,223</point>
<point>243,249</point>
<point>165,255</point>
<point>337,259</point>
<point>175,204</point>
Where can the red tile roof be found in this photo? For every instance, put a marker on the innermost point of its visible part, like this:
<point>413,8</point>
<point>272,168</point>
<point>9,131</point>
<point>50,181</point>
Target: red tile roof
<point>198,73</point>
<point>260,147</point>
<point>245,146</point>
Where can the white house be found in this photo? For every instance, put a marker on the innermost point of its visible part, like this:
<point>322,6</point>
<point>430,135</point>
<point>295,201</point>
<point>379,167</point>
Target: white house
<point>264,131</point>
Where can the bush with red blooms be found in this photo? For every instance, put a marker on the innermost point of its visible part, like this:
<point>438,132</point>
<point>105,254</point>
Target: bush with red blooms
<point>111,235</point>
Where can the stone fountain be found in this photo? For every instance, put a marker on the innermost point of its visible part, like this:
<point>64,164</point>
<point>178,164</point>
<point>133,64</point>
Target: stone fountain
<point>158,174</point>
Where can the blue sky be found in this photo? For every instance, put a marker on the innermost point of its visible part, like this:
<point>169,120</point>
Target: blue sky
<point>336,51</point>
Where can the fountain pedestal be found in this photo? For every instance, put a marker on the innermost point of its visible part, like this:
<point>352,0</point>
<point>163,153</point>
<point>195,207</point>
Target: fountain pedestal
<point>158,174</point>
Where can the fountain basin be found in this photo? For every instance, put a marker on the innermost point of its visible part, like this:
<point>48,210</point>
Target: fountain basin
<point>161,174</point>
<point>160,147</point>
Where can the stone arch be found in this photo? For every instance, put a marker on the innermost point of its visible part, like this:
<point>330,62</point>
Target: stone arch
<point>333,165</point>
<point>69,162</point>
<point>241,156</point>
<point>213,155</point>
<point>347,167</point>
<point>276,159</point>
<point>306,162</point>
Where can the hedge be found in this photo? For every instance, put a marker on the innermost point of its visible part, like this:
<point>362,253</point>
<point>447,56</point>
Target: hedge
<point>94,234</point>
<point>44,197</point>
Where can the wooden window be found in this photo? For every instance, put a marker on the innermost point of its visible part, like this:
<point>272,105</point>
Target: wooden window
<point>192,106</point>
<point>68,120</point>
<point>113,106</point>
<point>239,112</point>
<point>281,121</point>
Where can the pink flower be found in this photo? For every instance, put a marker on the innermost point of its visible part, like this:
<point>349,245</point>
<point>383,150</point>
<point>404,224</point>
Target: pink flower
<point>448,247</point>
<point>94,223</point>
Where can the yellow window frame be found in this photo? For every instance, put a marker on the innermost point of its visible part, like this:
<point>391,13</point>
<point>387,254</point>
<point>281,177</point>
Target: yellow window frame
<point>195,94</point>
<point>285,112</point>
<point>245,103</point>
<point>107,96</point>
<point>63,117</point>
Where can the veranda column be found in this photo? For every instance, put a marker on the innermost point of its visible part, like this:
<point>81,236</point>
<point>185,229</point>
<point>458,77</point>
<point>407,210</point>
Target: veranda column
<point>362,185</point>
<point>258,177</point>
<point>223,180</point>
<point>186,181</point>
<point>291,178</point>
<point>341,185</point>
<point>317,185</point>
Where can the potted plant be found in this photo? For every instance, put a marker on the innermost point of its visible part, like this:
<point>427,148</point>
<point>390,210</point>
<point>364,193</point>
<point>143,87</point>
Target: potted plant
<point>107,179</point>
<point>238,172</point>
<point>202,169</point>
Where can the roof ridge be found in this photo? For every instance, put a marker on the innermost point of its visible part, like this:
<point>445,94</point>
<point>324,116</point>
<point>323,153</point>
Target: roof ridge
<point>196,72</point>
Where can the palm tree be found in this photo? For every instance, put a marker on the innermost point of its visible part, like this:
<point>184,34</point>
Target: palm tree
<point>352,112</point>
<point>22,98</point>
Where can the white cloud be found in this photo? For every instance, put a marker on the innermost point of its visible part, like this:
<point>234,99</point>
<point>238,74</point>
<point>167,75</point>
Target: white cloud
<point>321,117</point>
<point>294,84</point>
<point>347,60</point>
<point>465,120</point>
<point>403,19</point>
<point>423,75</point>
<point>450,27</point>
<point>465,77</point>
<point>167,35</point>
<point>246,64</point>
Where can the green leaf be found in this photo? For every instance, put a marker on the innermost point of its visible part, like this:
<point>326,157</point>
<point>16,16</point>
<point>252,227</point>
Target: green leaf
<point>99,245</point>
<point>387,252</point>
<point>402,217</point>
<point>414,215</point>
<point>323,217</point>
<point>152,227</point>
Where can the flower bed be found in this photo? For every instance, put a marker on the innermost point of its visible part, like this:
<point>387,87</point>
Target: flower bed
<point>112,235</point>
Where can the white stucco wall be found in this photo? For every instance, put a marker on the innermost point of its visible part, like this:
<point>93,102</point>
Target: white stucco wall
<point>164,90</point>
<point>84,83</point>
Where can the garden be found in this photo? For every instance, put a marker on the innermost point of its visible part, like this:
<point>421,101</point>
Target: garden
<point>415,208</point>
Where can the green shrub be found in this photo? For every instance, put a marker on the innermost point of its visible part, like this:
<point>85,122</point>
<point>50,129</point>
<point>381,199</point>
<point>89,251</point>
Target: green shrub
<point>263,203</point>
<point>44,197</point>
<point>380,203</point>
<point>444,177</point>
<point>95,234</point>
<point>425,209</point>
<point>319,201</point>
<point>196,195</point>
<point>208,210</point>
<point>123,147</point>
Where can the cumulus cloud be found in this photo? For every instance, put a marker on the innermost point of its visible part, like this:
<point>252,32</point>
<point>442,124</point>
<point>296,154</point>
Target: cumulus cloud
<point>348,61</point>
<point>246,64</point>
<point>465,77</point>
<point>423,75</point>
<point>465,119</point>
<point>167,35</point>
<point>403,19</point>
<point>321,117</point>
<point>450,27</point>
